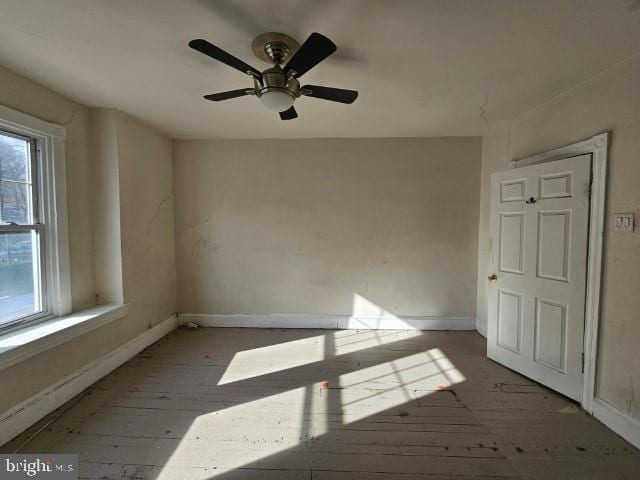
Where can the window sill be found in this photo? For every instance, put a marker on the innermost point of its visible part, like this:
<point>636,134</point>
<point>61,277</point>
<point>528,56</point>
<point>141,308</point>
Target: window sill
<point>19,345</point>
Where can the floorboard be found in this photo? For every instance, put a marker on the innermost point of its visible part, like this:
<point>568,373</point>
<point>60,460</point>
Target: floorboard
<point>231,404</point>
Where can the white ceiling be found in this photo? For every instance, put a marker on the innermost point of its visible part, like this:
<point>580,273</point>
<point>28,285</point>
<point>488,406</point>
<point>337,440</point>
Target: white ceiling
<point>423,68</point>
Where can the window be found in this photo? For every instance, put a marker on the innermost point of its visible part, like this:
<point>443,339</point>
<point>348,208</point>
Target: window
<point>21,285</point>
<point>33,253</point>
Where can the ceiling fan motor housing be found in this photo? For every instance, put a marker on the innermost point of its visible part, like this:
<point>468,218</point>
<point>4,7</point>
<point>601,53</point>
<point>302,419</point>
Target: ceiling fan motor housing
<point>274,79</point>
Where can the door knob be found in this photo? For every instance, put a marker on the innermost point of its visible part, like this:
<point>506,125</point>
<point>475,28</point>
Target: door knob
<point>493,278</point>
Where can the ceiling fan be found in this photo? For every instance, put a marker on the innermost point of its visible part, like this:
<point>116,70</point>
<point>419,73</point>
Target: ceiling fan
<point>278,86</point>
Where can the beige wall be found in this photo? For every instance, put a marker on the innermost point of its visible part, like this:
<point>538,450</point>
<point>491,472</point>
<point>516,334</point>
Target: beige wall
<point>302,226</point>
<point>146,222</point>
<point>145,186</point>
<point>607,102</point>
<point>107,245</point>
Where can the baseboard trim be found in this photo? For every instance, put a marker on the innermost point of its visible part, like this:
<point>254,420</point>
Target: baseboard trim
<point>336,322</point>
<point>621,423</point>
<point>20,417</point>
<point>481,327</point>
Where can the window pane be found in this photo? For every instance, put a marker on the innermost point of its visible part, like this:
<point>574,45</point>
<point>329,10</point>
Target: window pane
<point>19,279</point>
<point>14,158</point>
<point>14,202</point>
<point>15,180</point>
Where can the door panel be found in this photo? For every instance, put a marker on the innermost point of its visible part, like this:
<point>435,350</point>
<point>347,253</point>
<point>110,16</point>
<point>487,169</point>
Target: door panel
<point>511,242</point>
<point>550,332</point>
<point>512,190</point>
<point>556,185</point>
<point>509,320</point>
<point>539,254</point>
<point>553,245</point>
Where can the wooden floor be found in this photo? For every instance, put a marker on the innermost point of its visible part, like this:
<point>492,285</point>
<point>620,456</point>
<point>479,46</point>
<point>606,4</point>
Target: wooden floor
<point>327,405</point>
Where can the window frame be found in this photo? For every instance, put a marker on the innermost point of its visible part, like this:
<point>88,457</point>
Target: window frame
<point>49,200</point>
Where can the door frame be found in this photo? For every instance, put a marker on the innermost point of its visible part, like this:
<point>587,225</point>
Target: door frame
<point>597,146</point>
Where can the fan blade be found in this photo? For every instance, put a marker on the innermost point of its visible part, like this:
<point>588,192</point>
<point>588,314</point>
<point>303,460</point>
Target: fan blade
<point>289,114</point>
<point>315,49</point>
<point>328,93</point>
<point>217,53</point>
<point>217,97</point>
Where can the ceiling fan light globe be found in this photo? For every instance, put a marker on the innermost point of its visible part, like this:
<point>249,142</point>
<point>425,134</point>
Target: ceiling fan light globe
<point>277,101</point>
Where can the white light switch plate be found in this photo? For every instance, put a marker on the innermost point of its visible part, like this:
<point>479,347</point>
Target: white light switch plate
<point>624,222</point>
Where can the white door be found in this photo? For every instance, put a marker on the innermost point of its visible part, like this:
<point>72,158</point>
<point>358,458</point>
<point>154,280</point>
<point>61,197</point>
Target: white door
<point>539,232</point>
